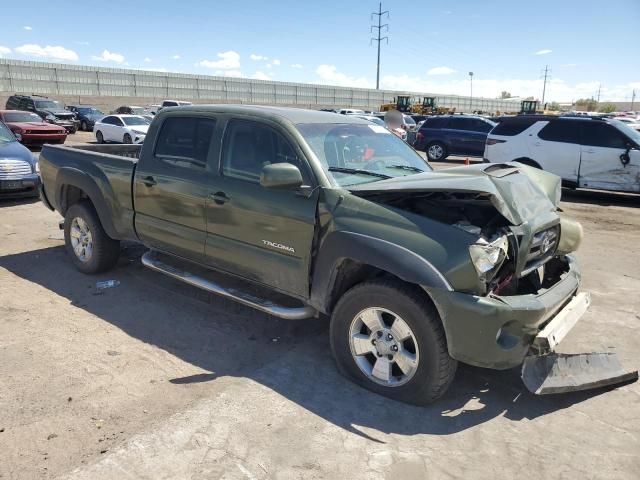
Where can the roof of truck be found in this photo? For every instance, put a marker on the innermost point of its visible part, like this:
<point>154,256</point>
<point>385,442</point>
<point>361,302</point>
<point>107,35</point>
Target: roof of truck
<point>294,115</point>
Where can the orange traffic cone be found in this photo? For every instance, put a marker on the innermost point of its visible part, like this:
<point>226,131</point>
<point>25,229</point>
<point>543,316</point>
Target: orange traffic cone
<point>466,161</point>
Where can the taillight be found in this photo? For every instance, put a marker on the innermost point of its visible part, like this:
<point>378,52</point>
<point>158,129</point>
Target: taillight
<point>419,136</point>
<point>494,141</point>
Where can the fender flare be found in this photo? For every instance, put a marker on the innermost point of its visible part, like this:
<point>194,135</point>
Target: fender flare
<point>390,257</point>
<point>68,176</point>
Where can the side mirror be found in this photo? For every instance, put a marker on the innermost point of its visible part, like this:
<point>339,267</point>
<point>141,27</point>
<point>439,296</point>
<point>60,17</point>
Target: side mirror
<point>282,176</point>
<point>18,136</point>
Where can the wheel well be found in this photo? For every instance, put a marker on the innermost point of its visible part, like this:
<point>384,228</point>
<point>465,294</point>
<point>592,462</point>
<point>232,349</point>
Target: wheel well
<point>351,272</point>
<point>528,161</point>
<point>72,195</point>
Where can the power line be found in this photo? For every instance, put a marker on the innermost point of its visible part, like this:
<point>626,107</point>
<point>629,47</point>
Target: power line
<point>547,76</point>
<point>378,38</point>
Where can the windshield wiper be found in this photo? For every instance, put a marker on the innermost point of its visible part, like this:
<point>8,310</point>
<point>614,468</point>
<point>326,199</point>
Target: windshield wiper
<point>359,170</point>
<point>406,167</point>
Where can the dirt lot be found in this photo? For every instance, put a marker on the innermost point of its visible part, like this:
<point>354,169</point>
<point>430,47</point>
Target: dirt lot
<point>154,379</point>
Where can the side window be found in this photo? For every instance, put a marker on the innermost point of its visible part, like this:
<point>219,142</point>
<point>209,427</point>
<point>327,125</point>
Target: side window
<point>462,123</point>
<point>436,123</point>
<point>480,126</point>
<point>185,139</point>
<point>565,131</point>
<point>599,134</point>
<point>249,146</point>
<point>117,121</point>
<point>106,120</point>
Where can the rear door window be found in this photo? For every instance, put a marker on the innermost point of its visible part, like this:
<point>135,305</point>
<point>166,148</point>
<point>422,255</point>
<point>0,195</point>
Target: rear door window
<point>599,134</point>
<point>565,131</point>
<point>185,140</point>
<point>510,127</point>
<point>436,122</point>
<point>462,124</point>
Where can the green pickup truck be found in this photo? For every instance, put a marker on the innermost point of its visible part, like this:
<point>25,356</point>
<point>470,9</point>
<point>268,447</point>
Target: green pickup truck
<point>301,213</point>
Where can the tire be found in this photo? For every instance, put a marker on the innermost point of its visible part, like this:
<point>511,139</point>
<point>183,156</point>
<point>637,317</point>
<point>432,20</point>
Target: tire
<point>101,252</point>
<point>83,126</point>
<point>432,370</point>
<point>99,137</point>
<point>436,151</point>
<point>127,139</point>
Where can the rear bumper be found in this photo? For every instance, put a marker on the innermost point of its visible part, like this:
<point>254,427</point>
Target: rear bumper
<point>498,332</point>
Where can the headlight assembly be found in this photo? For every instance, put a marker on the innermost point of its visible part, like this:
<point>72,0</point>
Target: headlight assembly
<point>487,257</point>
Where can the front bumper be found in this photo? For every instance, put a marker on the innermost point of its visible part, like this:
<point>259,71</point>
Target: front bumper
<point>499,331</point>
<point>41,139</point>
<point>26,186</point>
<point>71,126</point>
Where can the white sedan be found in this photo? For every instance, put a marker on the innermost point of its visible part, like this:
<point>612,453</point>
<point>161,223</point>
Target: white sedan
<point>121,129</point>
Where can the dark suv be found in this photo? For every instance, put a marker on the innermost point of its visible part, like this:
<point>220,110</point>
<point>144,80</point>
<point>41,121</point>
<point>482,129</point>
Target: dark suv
<point>444,135</point>
<point>50,110</point>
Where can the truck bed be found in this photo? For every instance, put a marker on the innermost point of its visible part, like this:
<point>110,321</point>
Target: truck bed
<point>104,173</point>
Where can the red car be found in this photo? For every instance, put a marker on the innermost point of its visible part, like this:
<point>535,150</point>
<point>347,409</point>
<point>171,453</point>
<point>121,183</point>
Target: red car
<point>31,129</point>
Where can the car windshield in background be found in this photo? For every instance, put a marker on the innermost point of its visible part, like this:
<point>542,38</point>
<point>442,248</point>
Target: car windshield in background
<point>135,121</point>
<point>89,111</point>
<point>628,131</point>
<point>137,110</point>
<point>21,117</point>
<point>48,105</point>
<point>352,153</point>
<point>5,134</point>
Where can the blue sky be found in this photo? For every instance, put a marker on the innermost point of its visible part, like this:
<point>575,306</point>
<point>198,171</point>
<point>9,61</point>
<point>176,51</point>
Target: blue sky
<point>432,45</point>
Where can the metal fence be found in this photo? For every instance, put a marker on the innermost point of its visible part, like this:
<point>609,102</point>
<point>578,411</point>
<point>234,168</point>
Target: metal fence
<point>80,80</point>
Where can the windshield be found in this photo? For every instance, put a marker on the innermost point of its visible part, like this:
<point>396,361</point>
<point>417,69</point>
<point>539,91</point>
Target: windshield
<point>21,117</point>
<point>351,153</point>
<point>5,134</point>
<point>49,105</point>
<point>627,130</point>
<point>89,111</point>
<point>137,110</point>
<point>135,121</point>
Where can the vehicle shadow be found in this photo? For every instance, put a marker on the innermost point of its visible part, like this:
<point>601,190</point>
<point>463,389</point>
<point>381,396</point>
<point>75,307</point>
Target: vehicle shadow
<point>293,358</point>
<point>9,201</point>
<point>599,197</point>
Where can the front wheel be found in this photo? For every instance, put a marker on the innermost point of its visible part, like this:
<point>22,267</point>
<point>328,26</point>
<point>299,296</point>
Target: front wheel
<point>84,127</point>
<point>99,137</point>
<point>89,246</point>
<point>127,138</point>
<point>387,337</point>
<point>436,151</point>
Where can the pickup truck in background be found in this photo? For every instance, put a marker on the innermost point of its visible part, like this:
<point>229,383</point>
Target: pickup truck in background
<point>302,213</point>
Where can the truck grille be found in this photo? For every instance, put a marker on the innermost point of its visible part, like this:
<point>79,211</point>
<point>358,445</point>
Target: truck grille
<point>14,169</point>
<point>543,247</point>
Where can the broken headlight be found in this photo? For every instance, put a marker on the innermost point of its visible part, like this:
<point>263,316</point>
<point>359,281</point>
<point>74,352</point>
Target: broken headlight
<point>488,257</point>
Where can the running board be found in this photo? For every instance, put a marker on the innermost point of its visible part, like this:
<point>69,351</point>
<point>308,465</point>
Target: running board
<point>150,260</point>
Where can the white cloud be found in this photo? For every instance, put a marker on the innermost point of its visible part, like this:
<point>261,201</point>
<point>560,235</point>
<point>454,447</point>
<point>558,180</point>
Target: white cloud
<point>546,51</point>
<point>227,61</point>
<point>57,52</point>
<point>329,74</point>
<point>296,65</point>
<point>175,57</point>
<point>28,28</point>
<point>441,71</point>
<point>147,60</point>
<point>276,61</point>
<point>268,65</point>
<point>257,58</point>
<point>260,76</point>
<point>107,56</point>
<point>4,51</point>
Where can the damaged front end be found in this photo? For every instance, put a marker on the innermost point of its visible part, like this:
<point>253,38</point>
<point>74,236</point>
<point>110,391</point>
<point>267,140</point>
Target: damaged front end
<point>524,295</point>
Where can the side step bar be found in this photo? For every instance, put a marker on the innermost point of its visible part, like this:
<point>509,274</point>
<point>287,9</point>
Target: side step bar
<point>150,260</point>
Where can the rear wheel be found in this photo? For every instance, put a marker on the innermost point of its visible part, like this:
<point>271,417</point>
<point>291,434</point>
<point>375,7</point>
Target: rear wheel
<point>388,338</point>
<point>99,137</point>
<point>90,248</point>
<point>127,138</point>
<point>83,126</point>
<point>436,151</point>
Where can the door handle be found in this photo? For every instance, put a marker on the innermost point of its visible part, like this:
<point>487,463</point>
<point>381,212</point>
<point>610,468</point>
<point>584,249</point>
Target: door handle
<point>591,150</point>
<point>537,144</point>
<point>219,197</point>
<point>149,181</point>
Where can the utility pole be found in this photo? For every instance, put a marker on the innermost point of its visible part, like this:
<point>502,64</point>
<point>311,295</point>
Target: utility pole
<point>547,76</point>
<point>599,88</point>
<point>378,38</point>
<point>633,99</point>
<point>471,92</point>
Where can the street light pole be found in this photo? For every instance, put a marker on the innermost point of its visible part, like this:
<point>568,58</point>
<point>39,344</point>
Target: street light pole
<point>471,95</point>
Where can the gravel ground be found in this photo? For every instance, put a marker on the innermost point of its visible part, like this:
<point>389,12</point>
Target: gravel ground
<point>154,379</point>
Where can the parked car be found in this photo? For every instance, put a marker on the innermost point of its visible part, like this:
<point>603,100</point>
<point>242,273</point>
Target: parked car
<point>32,130</point>
<point>121,129</point>
<point>350,111</point>
<point>588,152</point>
<point>372,118</point>
<point>48,109</point>
<point>417,269</point>
<point>152,109</point>
<point>630,122</point>
<point>129,110</point>
<point>87,115</point>
<point>444,135</point>
<point>172,103</point>
<point>19,172</point>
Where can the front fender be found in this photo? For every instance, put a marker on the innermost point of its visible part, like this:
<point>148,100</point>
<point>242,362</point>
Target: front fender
<point>382,254</point>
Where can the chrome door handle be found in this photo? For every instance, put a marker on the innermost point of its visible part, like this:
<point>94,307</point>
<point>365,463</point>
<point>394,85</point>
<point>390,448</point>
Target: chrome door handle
<point>590,150</point>
<point>219,197</point>
<point>149,181</point>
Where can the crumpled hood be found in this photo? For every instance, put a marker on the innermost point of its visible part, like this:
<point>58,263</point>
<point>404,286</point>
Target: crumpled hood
<point>60,113</point>
<point>517,191</point>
